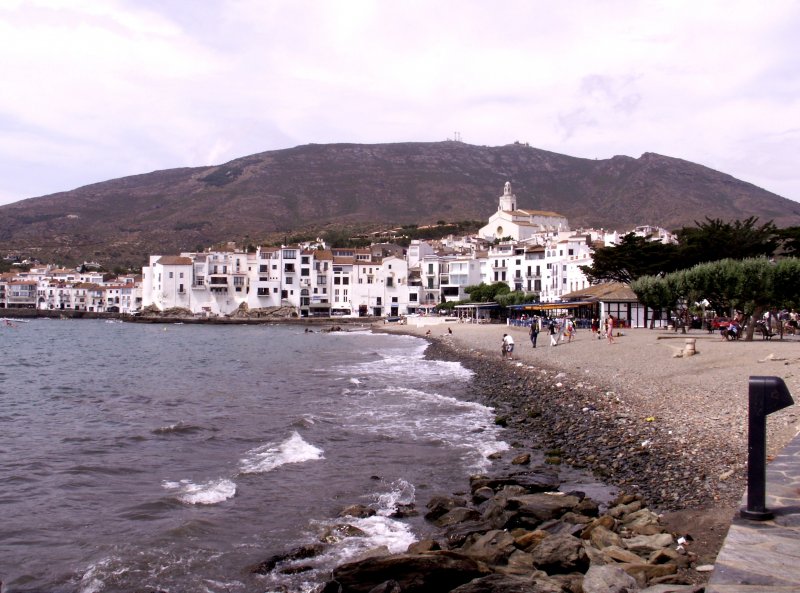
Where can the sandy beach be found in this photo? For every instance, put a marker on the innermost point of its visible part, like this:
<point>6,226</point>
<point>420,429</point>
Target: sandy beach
<point>671,428</point>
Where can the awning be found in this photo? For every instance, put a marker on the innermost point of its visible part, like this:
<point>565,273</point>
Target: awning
<point>551,306</point>
<point>478,306</point>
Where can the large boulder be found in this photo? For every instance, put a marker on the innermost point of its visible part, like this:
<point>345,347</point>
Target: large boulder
<point>560,553</point>
<point>493,547</point>
<point>439,505</point>
<point>608,579</point>
<point>433,572</point>
<point>540,479</point>
<point>299,553</point>
<point>532,509</point>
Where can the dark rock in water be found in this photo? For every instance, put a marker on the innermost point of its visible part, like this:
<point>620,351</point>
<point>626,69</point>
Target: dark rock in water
<point>434,572</point>
<point>425,545</point>
<point>457,515</point>
<point>358,511</point>
<point>404,510</point>
<point>482,494</point>
<point>337,533</point>
<point>299,553</point>
<point>540,479</point>
<point>456,535</point>
<point>439,505</point>
<point>497,583</point>
<point>523,459</point>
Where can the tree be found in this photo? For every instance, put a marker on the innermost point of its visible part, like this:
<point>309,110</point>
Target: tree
<point>790,240</point>
<point>515,298</point>
<point>714,240</point>
<point>632,258</point>
<point>753,285</point>
<point>658,293</point>
<point>485,293</point>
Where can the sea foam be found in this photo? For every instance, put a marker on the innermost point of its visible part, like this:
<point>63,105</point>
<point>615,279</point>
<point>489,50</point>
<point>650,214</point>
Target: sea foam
<point>268,457</point>
<point>211,492</point>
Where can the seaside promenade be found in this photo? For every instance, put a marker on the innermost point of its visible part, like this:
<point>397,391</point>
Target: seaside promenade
<point>701,403</point>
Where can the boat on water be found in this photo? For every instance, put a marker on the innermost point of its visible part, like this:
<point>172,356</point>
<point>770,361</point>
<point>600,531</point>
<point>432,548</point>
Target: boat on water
<point>11,321</point>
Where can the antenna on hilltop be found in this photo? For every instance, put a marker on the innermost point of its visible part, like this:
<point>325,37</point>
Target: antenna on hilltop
<point>457,136</point>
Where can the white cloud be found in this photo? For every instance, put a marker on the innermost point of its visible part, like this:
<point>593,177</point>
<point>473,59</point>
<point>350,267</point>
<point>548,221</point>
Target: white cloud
<point>104,89</point>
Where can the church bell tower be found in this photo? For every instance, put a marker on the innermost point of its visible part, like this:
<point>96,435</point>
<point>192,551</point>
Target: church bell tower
<point>508,201</point>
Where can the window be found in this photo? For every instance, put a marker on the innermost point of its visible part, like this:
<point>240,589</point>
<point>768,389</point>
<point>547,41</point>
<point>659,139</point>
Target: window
<point>180,275</point>
<point>288,280</point>
<point>346,280</point>
<point>570,252</point>
<point>170,274</point>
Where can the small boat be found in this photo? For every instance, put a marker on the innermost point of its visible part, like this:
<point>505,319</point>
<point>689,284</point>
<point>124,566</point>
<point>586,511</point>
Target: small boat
<point>11,321</point>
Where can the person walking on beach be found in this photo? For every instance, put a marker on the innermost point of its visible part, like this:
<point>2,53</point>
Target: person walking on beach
<point>610,331</point>
<point>534,331</point>
<point>553,333</point>
<point>508,346</point>
<point>570,332</point>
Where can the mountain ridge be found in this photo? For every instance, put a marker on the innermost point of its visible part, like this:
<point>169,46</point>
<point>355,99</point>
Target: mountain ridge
<point>368,186</point>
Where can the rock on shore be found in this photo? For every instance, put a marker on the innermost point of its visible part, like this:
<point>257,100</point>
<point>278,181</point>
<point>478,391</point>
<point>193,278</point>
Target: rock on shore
<point>516,533</point>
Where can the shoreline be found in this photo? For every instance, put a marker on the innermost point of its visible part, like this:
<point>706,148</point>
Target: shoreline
<point>671,430</point>
<point>629,394</point>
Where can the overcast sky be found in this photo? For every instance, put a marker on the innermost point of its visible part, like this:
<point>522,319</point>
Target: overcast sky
<point>97,89</point>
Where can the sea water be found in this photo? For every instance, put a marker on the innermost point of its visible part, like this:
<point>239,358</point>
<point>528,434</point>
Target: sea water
<point>177,457</point>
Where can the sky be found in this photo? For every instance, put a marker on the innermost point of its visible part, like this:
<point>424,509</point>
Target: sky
<point>92,90</point>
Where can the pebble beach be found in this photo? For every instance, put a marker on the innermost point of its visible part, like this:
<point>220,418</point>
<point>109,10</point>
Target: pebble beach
<point>636,413</point>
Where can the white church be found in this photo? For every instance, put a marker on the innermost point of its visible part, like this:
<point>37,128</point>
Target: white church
<point>520,225</point>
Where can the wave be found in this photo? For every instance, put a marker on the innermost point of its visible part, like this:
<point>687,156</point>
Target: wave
<point>441,421</point>
<point>401,493</point>
<point>268,457</point>
<point>177,428</point>
<point>211,492</point>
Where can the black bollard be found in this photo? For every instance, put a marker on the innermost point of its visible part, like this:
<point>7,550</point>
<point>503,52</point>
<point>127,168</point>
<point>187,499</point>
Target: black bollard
<point>767,395</point>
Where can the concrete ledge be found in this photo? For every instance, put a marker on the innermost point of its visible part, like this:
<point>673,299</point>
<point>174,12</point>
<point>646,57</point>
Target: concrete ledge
<point>764,556</point>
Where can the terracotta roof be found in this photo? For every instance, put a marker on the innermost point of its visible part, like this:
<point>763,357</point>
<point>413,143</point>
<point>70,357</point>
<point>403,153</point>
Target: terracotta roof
<point>174,260</point>
<point>538,213</point>
<point>608,291</point>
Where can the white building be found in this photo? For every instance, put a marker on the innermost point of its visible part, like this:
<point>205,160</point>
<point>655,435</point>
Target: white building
<point>518,225</point>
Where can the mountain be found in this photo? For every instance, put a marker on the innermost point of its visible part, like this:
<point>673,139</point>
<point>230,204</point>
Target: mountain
<point>356,186</point>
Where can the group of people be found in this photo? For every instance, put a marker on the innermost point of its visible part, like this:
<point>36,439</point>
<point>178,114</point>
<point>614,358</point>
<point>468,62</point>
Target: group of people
<point>559,329</point>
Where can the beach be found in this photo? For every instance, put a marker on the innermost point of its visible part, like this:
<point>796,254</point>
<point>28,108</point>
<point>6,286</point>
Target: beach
<point>644,419</point>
